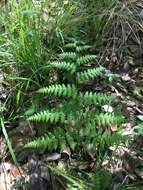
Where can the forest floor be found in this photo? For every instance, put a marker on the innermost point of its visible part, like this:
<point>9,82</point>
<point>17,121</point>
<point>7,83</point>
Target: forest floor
<point>23,169</point>
<point>125,162</point>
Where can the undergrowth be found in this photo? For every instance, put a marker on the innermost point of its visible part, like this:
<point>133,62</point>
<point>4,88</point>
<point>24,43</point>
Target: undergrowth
<point>113,24</point>
<point>31,34</point>
<point>76,114</point>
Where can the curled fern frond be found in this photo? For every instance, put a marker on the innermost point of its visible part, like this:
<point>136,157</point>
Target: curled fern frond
<point>64,65</point>
<point>86,59</point>
<point>47,116</point>
<point>89,74</point>
<point>94,98</point>
<point>68,55</point>
<point>60,90</point>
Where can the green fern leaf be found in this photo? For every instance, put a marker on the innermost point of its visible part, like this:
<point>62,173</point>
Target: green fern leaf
<point>70,141</point>
<point>70,45</point>
<point>82,48</point>
<point>43,142</point>
<point>89,74</point>
<point>86,59</point>
<point>94,98</point>
<point>108,119</point>
<point>46,116</point>
<point>68,55</point>
<point>64,65</point>
<point>60,90</point>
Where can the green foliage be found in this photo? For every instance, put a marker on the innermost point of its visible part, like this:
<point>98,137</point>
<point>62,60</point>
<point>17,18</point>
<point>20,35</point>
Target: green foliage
<point>46,116</point>
<point>86,58</point>
<point>93,98</point>
<point>104,22</point>
<point>30,33</point>
<point>101,180</point>
<point>77,114</point>
<point>68,55</point>
<point>8,142</point>
<point>139,126</point>
<point>34,31</point>
<point>63,65</point>
<point>59,90</point>
<point>89,74</point>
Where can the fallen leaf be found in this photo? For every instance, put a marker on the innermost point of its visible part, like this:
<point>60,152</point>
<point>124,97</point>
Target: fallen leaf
<point>125,67</point>
<point>6,181</point>
<point>107,108</point>
<point>92,156</point>
<point>114,57</point>
<point>131,61</point>
<point>5,167</point>
<point>113,127</point>
<point>53,157</point>
<point>140,117</point>
<point>139,173</point>
<point>129,125</point>
<point>130,103</point>
<point>126,77</point>
<point>66,152</point>
<point>3,148</point>
<point>15,171</point>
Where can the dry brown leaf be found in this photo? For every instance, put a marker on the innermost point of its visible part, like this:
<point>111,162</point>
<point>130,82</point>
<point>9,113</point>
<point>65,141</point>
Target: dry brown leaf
<point>125,67</point>
<point>3,148</point>
<point>114,57</point>
<point>139,173</point>
<point>67,152</point>
<point>5,167</point>
<point>129,125</point>
<point>113,127</point>
<point>8,174</point>
<point>15,171</point>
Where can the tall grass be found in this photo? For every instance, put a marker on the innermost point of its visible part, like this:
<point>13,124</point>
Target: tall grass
<point>112,22</point>
<point>34,32</point>
<point>30,34</point>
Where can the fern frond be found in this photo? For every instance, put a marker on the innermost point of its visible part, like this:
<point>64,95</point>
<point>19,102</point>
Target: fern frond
<point>89,74</point>
<point>46,116</point>
<point>80,123</point>
<point>44,142</point>
<point>108,119</point>
<point>77,48</point>
<point>49,141</point>
<point>63,65</point>
<point>68,55</point>
<point>57,139</point>
<point>70,45</point>
<point>60,90</point>
<point>102,119</point>
<point>85,59</point>
<point>70,141</point>
<point>94,98</point>
<point>112,139</point>
<point>82,48</point>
